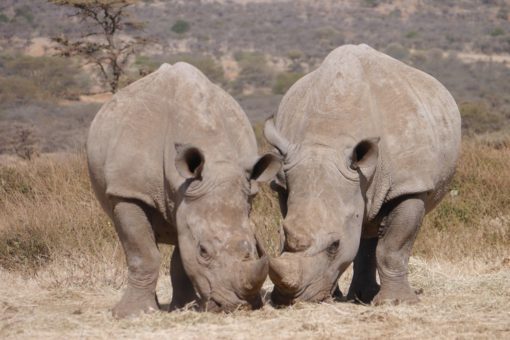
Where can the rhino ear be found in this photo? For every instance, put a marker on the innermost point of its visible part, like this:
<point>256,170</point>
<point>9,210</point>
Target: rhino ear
<point>189,161</point>
<point>365,156</point>
<point>266,168</point>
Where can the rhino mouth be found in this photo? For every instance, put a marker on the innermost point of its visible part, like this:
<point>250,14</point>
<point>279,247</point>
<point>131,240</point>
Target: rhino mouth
<point>215,306</point>
<point>281,297</point>
<point>219,303</point>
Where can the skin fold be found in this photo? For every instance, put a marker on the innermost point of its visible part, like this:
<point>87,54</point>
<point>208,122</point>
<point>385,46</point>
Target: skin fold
<point>173,159</point>
<point>369,146</point>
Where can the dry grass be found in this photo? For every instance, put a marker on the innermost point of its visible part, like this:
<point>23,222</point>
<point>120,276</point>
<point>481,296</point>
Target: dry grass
<point>61,267</point>
<point>457,302</point>
<point>474,219</point>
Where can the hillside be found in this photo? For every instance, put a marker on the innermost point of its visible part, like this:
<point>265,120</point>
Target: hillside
<point>255,50</point>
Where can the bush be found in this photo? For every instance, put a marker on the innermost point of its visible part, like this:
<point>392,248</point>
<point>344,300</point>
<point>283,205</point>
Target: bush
<point>397,51</point>
<point>294,54</point>
<point>411,34</point>
<point>24,12</point>
<point>145,65</point>
<point>3,18</point>
<point>478,117</point>
<point>254,70</point>
<point>42,77</point>
<point>180,27</point>
<point>210,67</point>
<point>16,91</point>
<point>370,3</point>
<point>284,81</point>
<point>497,32</point>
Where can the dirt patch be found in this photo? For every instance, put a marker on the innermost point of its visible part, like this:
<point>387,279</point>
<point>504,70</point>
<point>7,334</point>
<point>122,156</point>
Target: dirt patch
<point>40,46</point>
<point>98,98</point>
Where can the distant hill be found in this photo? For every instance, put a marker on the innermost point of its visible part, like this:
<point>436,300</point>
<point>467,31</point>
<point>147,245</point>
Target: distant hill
<point>255,49</point>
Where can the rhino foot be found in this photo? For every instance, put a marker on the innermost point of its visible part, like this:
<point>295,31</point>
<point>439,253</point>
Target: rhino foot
<point>135,302</point>
<point>395,297</point>
<point>363,293</point>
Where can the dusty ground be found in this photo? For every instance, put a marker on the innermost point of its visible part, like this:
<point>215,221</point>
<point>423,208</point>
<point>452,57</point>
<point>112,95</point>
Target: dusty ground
<point>462,300</point>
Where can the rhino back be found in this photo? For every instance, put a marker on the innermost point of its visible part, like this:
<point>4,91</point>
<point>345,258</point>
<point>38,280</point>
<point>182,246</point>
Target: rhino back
<point>362,93</point>
<point>131,142</point>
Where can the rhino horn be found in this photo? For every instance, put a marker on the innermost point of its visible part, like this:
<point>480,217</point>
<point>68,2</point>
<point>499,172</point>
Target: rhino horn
<point>286,273</point>
<point>253,274</point>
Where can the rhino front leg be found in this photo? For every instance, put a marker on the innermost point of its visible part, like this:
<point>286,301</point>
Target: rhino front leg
<point>394,248</point>
<point>183,291</point>
<point>364,286</point>
<point>142,257</point>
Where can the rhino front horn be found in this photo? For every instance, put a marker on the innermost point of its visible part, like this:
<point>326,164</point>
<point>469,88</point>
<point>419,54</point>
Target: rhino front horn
<point>286,272</point>
<point>253,274</point>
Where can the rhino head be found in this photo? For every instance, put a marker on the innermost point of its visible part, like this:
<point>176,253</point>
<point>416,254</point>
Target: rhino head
<point>322,195</point>
<point>220,252</point>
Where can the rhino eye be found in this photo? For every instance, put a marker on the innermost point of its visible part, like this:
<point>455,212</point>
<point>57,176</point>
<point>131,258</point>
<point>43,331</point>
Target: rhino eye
<point>333,247</point>
<point>204,254</point>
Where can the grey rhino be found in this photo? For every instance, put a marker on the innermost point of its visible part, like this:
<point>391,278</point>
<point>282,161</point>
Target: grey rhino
<point>173,159</point>
<point>370,146</point>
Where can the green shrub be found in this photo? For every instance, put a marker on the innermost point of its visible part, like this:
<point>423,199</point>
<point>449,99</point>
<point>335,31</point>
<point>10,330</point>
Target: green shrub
<point>180,27</point>
<point>3,18</point>
<point>411,34</point>
<point>496,32</point>
<point>284,81</point>
<point>370,3</point>
<point>254,69</point>
<point>24,12</point>
<point>145,65</point>
<point>294,54</point>
<point>397,51</point>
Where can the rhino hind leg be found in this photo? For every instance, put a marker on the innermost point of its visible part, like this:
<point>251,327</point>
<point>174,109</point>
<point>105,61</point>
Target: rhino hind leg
<point>142,257</point>
<point>394,248</point>
<point>183,292</point>
<point>364,286</point>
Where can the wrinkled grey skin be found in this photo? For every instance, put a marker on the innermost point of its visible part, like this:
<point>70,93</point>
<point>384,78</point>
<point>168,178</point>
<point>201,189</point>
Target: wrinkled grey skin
<point>173,159</point>
<point>370,146</point>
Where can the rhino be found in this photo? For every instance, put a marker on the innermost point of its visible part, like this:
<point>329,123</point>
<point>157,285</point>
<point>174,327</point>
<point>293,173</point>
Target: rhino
<point>369,146</point>
<point>173,159</point>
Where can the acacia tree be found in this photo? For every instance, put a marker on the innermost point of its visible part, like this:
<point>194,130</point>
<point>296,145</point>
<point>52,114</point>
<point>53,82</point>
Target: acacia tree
<point>102,46</point>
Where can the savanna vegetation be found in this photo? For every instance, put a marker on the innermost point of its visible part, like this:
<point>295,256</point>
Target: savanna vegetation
<point>61,265</point>
<point>55,238</point>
